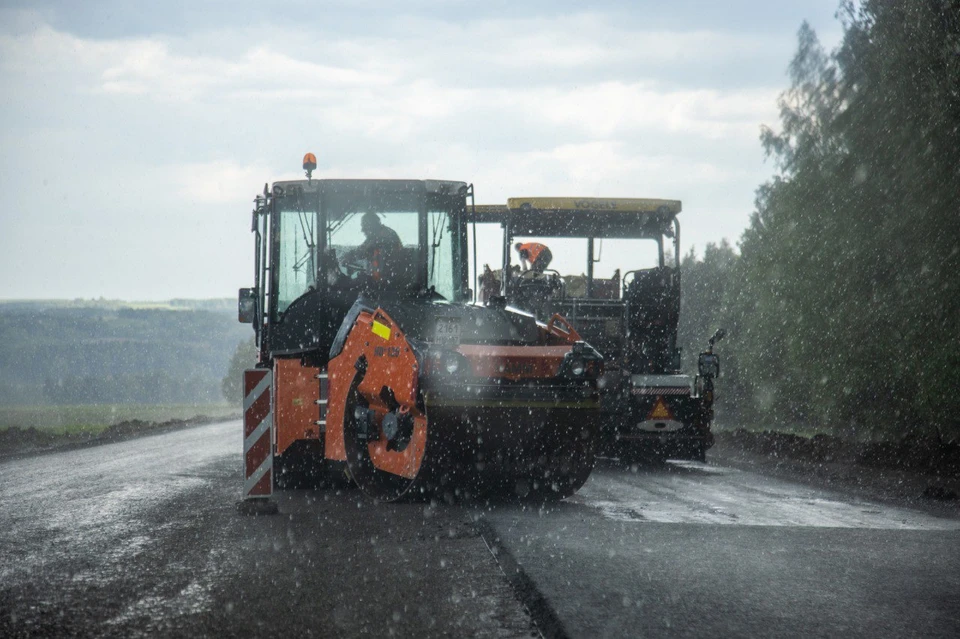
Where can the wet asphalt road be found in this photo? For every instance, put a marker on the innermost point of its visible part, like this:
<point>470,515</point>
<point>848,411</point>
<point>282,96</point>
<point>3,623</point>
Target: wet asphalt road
<point>710,551</point>
<point>141,537</point>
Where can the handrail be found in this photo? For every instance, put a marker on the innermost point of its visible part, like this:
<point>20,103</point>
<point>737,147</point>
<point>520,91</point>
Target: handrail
<point>553,326</point>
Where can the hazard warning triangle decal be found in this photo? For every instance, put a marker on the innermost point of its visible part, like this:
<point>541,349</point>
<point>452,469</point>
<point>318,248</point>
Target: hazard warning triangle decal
<point>660,410</point>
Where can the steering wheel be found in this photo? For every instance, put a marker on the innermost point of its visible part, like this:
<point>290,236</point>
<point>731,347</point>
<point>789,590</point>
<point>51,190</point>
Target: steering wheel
<point>529,284</point>
<point>353,268</point>
<point>532,279</point>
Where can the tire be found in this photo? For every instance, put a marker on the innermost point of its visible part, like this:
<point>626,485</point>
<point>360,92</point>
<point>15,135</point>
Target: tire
<point>569,471</point>
<point>699,453</point>
<point>650,457</point>
<point>372,481</point>
<point>298,469</point>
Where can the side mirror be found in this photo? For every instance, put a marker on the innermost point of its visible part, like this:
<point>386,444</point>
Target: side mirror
<point>708,365</point>
<point>247,305</point>
<point>676,361</point>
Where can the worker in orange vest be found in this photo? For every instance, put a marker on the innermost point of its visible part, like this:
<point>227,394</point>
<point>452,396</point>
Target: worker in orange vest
<point>535,257</point>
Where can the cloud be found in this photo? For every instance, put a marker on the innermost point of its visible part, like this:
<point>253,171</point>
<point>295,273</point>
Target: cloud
<point>217,182</point>
<point>530,51</point>
<point>606,167</point>
<point>389,90</point>
<point>163,133</point>
<point>607,108</point>
<point>151,69</point>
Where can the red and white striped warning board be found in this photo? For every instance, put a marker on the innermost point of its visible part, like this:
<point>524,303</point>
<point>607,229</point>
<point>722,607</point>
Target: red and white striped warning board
<point>660,390</point>
<point>257,433</point>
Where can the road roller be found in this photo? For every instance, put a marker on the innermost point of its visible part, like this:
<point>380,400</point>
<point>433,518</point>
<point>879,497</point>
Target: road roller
<point>382,365</point>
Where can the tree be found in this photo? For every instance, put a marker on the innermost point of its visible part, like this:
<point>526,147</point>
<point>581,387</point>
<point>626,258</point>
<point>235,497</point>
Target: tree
<point>705,307</point>
<point>847,282</point>
<point>703,301</point>
<point>243,358</point>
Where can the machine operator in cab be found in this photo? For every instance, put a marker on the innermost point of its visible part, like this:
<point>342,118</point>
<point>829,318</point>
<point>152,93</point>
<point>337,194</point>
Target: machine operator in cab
<point>534,256</point>
<point>380,248</point>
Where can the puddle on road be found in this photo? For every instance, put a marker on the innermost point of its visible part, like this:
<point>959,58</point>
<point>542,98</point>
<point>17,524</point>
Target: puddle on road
<point>701,467</point>
<point>733,497</point>
<point>155,609</point>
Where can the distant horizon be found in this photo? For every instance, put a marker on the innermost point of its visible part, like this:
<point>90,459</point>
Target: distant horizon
<point>110,299</point>
<point>115,300</point>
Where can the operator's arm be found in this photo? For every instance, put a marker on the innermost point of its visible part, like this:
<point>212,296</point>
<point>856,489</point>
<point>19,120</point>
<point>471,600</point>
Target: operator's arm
<point>361,252</point>
<point>348,256</point>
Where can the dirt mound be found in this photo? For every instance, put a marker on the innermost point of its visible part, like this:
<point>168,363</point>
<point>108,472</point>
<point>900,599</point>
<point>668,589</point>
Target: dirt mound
<point>921,454</point>
<point>15,438</point>
<point>137,426</point>
<point>18,441</point>
<point>924,454</point>
<point>819,448</point>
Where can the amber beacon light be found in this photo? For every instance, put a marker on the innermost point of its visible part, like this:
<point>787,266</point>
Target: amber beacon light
<point>309,164</point>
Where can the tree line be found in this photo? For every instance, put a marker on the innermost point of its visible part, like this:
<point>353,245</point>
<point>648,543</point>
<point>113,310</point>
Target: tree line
<point>52,353</point>
<point>843,303</point>
<point>152,387</point>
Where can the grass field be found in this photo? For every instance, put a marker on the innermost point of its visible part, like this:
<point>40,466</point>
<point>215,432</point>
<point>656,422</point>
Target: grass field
<point>94,418</point>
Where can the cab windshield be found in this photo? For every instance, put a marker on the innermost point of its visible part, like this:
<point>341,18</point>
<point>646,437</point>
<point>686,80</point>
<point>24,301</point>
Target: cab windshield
<point>384,238</point>
<point>580,274</point>
<point>373,238</point>
<point>358,236</point>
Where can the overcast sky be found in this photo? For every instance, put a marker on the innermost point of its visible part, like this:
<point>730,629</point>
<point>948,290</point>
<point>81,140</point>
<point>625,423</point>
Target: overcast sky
<point>133,139</point>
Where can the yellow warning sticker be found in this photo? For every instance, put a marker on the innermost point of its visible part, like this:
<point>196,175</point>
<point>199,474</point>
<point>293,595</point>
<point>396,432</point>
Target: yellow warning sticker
<point>380,330</point>
<point>660,410</point>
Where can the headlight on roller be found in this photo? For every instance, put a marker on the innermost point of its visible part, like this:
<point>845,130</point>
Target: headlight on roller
<point>578,367</point>
<point>582,361</point>
<point>449,363</point>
